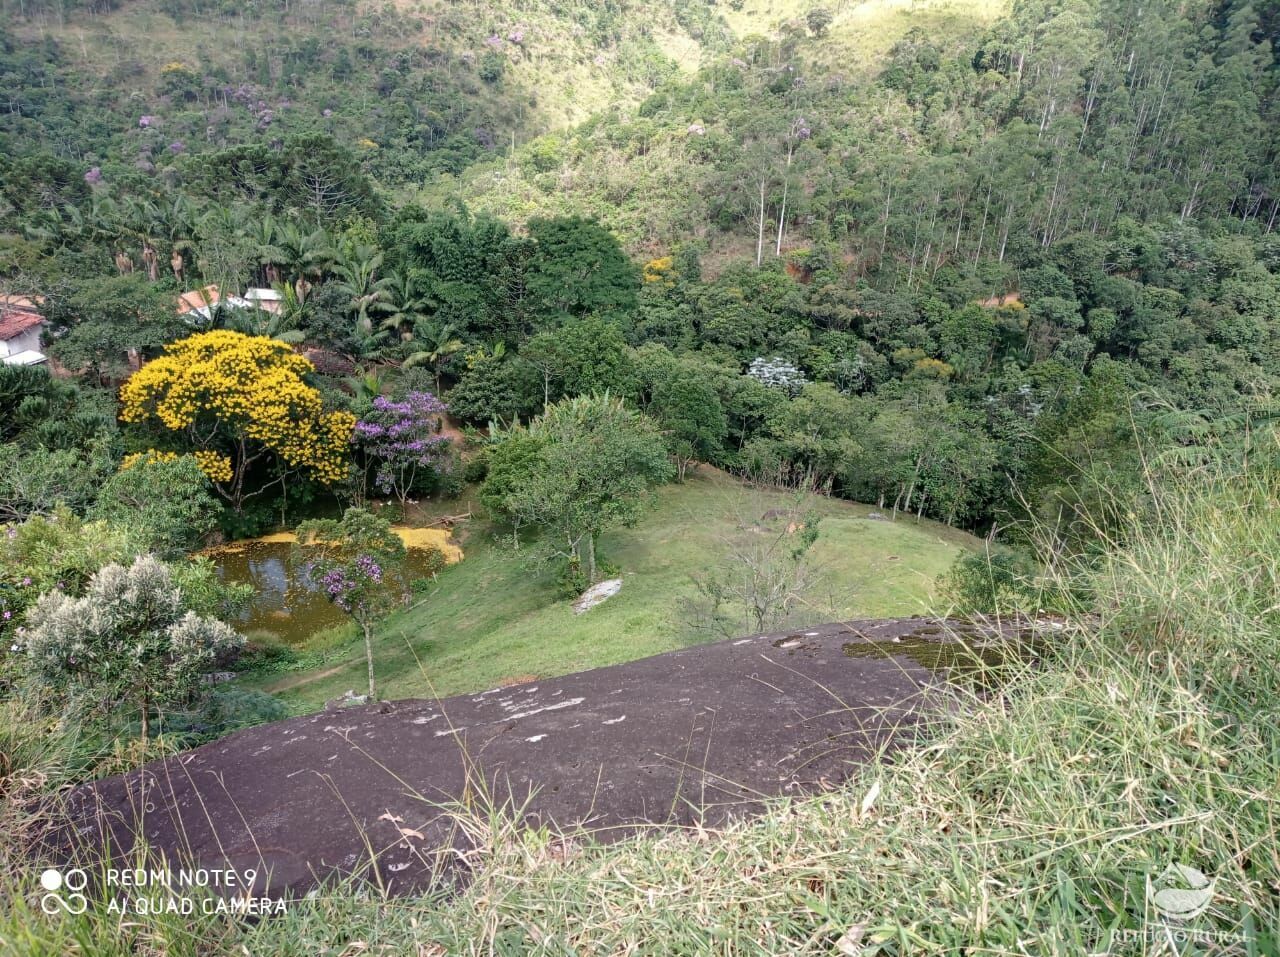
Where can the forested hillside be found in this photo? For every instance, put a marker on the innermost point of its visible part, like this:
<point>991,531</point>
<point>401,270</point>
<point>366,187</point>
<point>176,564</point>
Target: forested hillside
<point>953,261</point>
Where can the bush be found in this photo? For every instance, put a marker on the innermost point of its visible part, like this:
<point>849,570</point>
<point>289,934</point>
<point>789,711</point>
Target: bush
<point>130,641</point>
<point>58,551</point>
<point>226,709</point>
<point>995,582</point>
<point>167,500</point>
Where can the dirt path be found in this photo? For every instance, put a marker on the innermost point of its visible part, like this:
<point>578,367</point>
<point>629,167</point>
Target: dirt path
<point>297,681</point>
<point>698,735</point>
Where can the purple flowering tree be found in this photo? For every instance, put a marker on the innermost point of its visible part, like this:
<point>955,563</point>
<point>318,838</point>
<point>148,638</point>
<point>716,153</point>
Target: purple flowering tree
<point>402,438</point>
<point>358,562</point>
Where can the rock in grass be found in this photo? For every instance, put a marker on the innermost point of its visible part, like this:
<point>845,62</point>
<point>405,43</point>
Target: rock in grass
<point>601,591</point>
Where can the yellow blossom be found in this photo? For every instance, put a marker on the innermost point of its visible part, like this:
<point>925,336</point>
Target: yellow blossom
<point>228,392</point>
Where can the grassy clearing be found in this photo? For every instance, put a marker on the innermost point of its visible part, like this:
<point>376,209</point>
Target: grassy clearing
<point>498,615</point>
<point>861,33</point>
<point>1029,825</point>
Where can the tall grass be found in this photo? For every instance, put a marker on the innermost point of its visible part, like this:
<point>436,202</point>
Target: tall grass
<point>1149,734</point>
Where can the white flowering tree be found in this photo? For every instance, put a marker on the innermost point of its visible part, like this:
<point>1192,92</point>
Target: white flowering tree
<point>777,373</point>
<point>130,641</point>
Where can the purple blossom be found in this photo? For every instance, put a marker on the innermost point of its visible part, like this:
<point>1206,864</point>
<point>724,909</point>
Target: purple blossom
<point>349,586</point>
<point>696,129</point>
<point>93,178</point>
<point>326,113</point>
<point>403,435</point>
<point>177,146</point>
<point>145,121</point>
<point>494,41</point>
<point>516,36</point>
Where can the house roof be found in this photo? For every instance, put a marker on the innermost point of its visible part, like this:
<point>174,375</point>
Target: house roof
<point>29,303</point>
<point>14,322</point>
<point>28,357</point>
<point>198,299</point>
<point>267,295</point>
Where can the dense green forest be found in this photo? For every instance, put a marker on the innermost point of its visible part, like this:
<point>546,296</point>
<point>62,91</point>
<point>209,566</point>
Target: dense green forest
<point>951,280</point>
<point>991,273</point>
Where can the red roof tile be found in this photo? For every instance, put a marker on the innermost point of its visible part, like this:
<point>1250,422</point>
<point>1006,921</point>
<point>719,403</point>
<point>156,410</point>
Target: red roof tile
<point>197,298</point>
<point>14,322</point>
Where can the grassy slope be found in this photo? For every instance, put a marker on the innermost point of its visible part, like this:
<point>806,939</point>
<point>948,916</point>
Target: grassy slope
<point>1146,736</point>
<point>496,616</point>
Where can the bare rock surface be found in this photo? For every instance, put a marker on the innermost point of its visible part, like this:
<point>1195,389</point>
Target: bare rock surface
<point>596,594</point>
<point>695,736</point>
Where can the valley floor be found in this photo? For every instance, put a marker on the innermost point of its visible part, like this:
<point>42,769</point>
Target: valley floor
<point>498,616</point>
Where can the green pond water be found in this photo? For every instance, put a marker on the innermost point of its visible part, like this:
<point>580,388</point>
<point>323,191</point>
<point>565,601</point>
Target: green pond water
<point>960,659</point>
<point>284,603</point>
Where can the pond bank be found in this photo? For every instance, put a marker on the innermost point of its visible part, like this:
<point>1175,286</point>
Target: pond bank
<point>284,604</point>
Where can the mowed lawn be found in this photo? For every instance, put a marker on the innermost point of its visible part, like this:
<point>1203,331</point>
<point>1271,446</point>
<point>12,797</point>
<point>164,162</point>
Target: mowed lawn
<point>497,616</point>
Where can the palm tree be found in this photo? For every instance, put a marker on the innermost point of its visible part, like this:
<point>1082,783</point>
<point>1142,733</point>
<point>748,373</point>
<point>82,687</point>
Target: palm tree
<point>103,219</point>
<point>293,306</point>
<point>306,255</point>
<point>256,322</point>
<point>264,233</point>
<point>226,255</point>
<point>357,276</point>
<point>141,223</point>
<point>369,344</point>
<point>57,227</point>
<point>432,344</point>
<point>406,303</point>
<point>366,385</point>
<point>178,225</point>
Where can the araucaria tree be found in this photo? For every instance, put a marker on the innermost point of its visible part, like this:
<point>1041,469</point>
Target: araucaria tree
<point>358,563</point>
<point>130,640</point>
<point>239,402</point>
<point>583,466</point>
<point>403,438</point>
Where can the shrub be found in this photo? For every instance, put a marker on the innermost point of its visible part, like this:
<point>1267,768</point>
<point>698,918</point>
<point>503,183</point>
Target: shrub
<point>130,640</point>
<point>167,499</point>
<point>994,582</point>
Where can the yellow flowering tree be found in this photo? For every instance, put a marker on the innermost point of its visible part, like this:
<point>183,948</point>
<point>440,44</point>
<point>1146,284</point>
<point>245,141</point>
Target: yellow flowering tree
<point>240,402</point>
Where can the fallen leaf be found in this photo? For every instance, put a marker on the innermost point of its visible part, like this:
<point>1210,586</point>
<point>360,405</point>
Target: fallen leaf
<point>870,799</point>
<point>850,943</point>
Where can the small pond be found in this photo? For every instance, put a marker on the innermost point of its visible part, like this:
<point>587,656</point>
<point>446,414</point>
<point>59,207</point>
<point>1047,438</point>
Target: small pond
<point>284,603</point>
<point>958,658</point>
